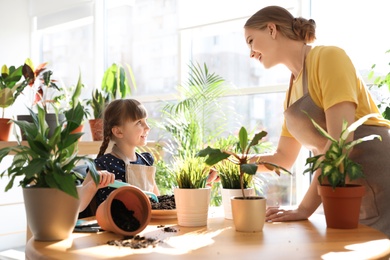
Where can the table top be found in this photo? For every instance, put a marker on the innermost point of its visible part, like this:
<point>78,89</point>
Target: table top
<point>308,239</point>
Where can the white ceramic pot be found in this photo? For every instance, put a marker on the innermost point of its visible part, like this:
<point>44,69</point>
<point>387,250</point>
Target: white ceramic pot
<point>249,213</point>
<point>192,206</point>
<point>227,194</point>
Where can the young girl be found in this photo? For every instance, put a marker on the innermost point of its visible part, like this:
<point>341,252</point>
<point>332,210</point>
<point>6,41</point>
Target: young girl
<point>125,124</point>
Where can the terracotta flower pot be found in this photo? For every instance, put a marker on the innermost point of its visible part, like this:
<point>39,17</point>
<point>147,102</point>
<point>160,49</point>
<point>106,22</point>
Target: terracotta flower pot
<point>126,211</point>
<point>249,213</point>
<point>96,126</point>
<point>5,127</point>
<point>341,205</point>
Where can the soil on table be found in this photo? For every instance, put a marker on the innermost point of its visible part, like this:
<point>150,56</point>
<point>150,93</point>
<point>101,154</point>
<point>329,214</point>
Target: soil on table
<point>165,202</point>
<point>138,242</point>
<point>123,217</point>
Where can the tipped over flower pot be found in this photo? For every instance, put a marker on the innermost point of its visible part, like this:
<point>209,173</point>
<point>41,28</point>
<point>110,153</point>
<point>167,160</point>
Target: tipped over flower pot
<point>126,211</point>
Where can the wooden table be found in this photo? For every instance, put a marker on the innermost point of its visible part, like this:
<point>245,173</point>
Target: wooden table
<point>309,239</point>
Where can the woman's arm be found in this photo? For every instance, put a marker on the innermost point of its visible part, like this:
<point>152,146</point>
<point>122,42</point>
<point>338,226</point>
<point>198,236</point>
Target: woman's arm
<point>310,202</point>
<point>284,156</point>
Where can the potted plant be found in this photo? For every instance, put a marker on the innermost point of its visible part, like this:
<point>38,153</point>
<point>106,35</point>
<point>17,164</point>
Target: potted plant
<point>116,82</point>
<point>45,165</point>
<point>72,98</point>
<point>98,103</point>
<point>341,200</point>
<point>192,197</point>
<point>229,175</point>
<point>11,85</point>
<point>44,93</point>
<point>254,205</point>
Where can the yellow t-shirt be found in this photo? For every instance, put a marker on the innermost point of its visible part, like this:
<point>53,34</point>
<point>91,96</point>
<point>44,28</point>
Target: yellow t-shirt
<point>332,79</point>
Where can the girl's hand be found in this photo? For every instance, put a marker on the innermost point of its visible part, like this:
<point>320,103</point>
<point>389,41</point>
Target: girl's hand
<point>106,178</point>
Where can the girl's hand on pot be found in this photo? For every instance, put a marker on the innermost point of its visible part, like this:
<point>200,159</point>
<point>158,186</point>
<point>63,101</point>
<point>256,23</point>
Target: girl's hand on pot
<point>106,178</point>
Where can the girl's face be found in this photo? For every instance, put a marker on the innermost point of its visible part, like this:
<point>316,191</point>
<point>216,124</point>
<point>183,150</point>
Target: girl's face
<point>134,133</point>
<point>262,45</point>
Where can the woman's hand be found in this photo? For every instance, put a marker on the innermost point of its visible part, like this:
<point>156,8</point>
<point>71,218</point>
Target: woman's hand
<point>106,178</point>
<point>276,214</point>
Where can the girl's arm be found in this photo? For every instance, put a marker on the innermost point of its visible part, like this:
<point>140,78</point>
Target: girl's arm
<point>89,188</point>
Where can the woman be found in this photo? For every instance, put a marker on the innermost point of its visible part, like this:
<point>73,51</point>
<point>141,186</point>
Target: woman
<point>324,83</point>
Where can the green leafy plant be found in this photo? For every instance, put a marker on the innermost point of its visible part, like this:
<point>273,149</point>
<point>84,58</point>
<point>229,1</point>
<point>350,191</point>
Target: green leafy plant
<point>335,164</point>
<point>241,156</point>
<point>190,172</point>
<point>199,115</point>
<point>44,89</point>
<point>116,82</point>
<point>11,85</point>
<point>380,82</point>
<point>48,162</point>
<point>98,103</point>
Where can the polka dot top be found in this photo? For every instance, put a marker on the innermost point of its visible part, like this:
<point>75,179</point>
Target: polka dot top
<point>115,165</point>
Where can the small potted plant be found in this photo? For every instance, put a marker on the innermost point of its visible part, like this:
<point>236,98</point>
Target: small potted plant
<point>341,200</point>
<point>254,205</point>
<point>191,192</point>
<point>98,103</point>
<point>45,164</point>
<point>229,175</point>
<point>11,85</point>
<point>44,93</point>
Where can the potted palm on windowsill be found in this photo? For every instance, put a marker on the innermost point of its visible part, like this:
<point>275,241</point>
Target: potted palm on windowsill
<point>254,206</point>
<point>45,165</point>
<point>340,199</point>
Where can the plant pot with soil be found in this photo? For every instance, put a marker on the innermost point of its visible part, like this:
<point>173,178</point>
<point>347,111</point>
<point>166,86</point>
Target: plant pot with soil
<point>340,197</point>
<point>253,206</point>
<point>126,211</point>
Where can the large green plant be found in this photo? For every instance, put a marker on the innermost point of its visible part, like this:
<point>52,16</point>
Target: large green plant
<point>335,164</point>
<point>241,156</point>
<point>199,115</point>
<point>48,162</point>
<point>116,82</point>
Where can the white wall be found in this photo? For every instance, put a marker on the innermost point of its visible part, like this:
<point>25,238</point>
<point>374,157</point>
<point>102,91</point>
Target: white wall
<point>14,49</point>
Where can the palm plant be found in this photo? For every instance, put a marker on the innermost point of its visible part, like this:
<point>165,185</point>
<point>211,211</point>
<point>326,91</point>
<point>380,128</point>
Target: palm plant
<point>200,116</point>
